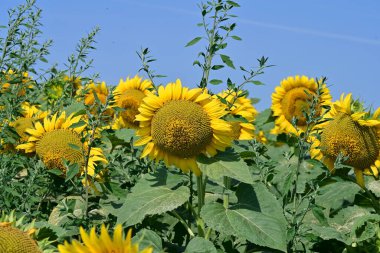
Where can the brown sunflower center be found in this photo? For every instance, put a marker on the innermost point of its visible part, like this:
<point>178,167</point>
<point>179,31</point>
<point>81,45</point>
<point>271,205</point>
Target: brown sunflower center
<point>181,128</point>
<point>20,125</point>
<point>54,145</point>
<point>295,103</point>
<point>130,100</point>
<point>13,240</point>
<point>344,135</point>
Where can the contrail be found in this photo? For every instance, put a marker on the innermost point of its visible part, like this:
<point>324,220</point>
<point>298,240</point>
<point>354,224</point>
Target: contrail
<point>268,25</point>
<point>311,32</point>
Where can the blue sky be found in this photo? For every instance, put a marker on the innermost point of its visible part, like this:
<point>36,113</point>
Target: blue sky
<point>338,39</point>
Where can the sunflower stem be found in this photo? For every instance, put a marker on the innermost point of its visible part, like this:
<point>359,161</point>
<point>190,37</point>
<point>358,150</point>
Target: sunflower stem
<point>200,193</point>
<point>226,196</point>
<point>183,222</point>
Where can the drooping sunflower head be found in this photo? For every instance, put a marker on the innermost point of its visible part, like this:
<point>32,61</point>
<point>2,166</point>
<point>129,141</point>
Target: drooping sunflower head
<point>57,139</point>
<point>351,134</point>
<point>103,243</point>
<point>179,124</point>
<point>239,105</point>
<point>128,96</point>
<point>291,100</point>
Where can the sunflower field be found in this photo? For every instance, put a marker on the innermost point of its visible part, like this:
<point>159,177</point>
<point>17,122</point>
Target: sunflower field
<point>142,166</point>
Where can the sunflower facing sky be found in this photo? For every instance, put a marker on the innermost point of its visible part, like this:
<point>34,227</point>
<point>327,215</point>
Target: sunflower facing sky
<point>103,243</point>
<point>351,134</point>
<point>179,124</point>
<point>240,106</point>
<point>52,139</point>
<point>290,100</point>
<point>128,96</point>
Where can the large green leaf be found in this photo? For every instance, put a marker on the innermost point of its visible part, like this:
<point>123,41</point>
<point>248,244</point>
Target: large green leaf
<point>351,225</point>
<point>234,169</point>
<point>374,187</point>
<point>150,201</point>
<point>259,228</point>
<point>258,198</point>
<point>200,245</point>
<point>147,238</point>
<point>337,194</point>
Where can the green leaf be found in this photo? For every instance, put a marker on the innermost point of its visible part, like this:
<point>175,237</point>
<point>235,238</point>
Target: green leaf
<point>56,172</point>
<point>227,60</point>
<point>374,187</point>
<point>147,238</point>
<point>200,245</point>
<point>256,82</point>
<point>256,227</point>
<point>216,67</point>
<point>350,225</point>
<point>74,147</point>
<point>238,170</point>
<point>193,41</point>
<point>75,108</point>
<point>216,81</point>
<point>236,37</point>
<point>125,134</point>
<point>150,201</point>
<point>258,198</point>
<point>72,171</point>
<point>233,3</point>
<point>336,194</point>
<point>78,124</point>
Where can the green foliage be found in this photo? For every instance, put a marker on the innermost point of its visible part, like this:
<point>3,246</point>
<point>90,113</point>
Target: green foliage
<point>257,227</point>
<point>253,197</point>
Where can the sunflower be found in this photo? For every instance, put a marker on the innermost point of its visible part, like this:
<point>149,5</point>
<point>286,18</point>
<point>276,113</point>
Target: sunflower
<point>13,240</point>
<point>239,105</point>
<point>16,235</point>
<point>101,91</point>
<point>352,134</point>
<point>179,124</point>
<point>30,113</point>
<point>59,138</point>
<point>128,96</point>
<point>290,100</point>
<point>103,243</point>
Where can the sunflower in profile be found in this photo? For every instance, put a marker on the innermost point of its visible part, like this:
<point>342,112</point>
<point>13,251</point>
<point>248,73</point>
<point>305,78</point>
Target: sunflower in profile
<point>30,114</point>
<point>103,243</point>
<point>128,96</point>
<point>242,107</point>
<point>179,124</point>
<point>290,100</point>
<point>59,138</point>
<point>352,134</point>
